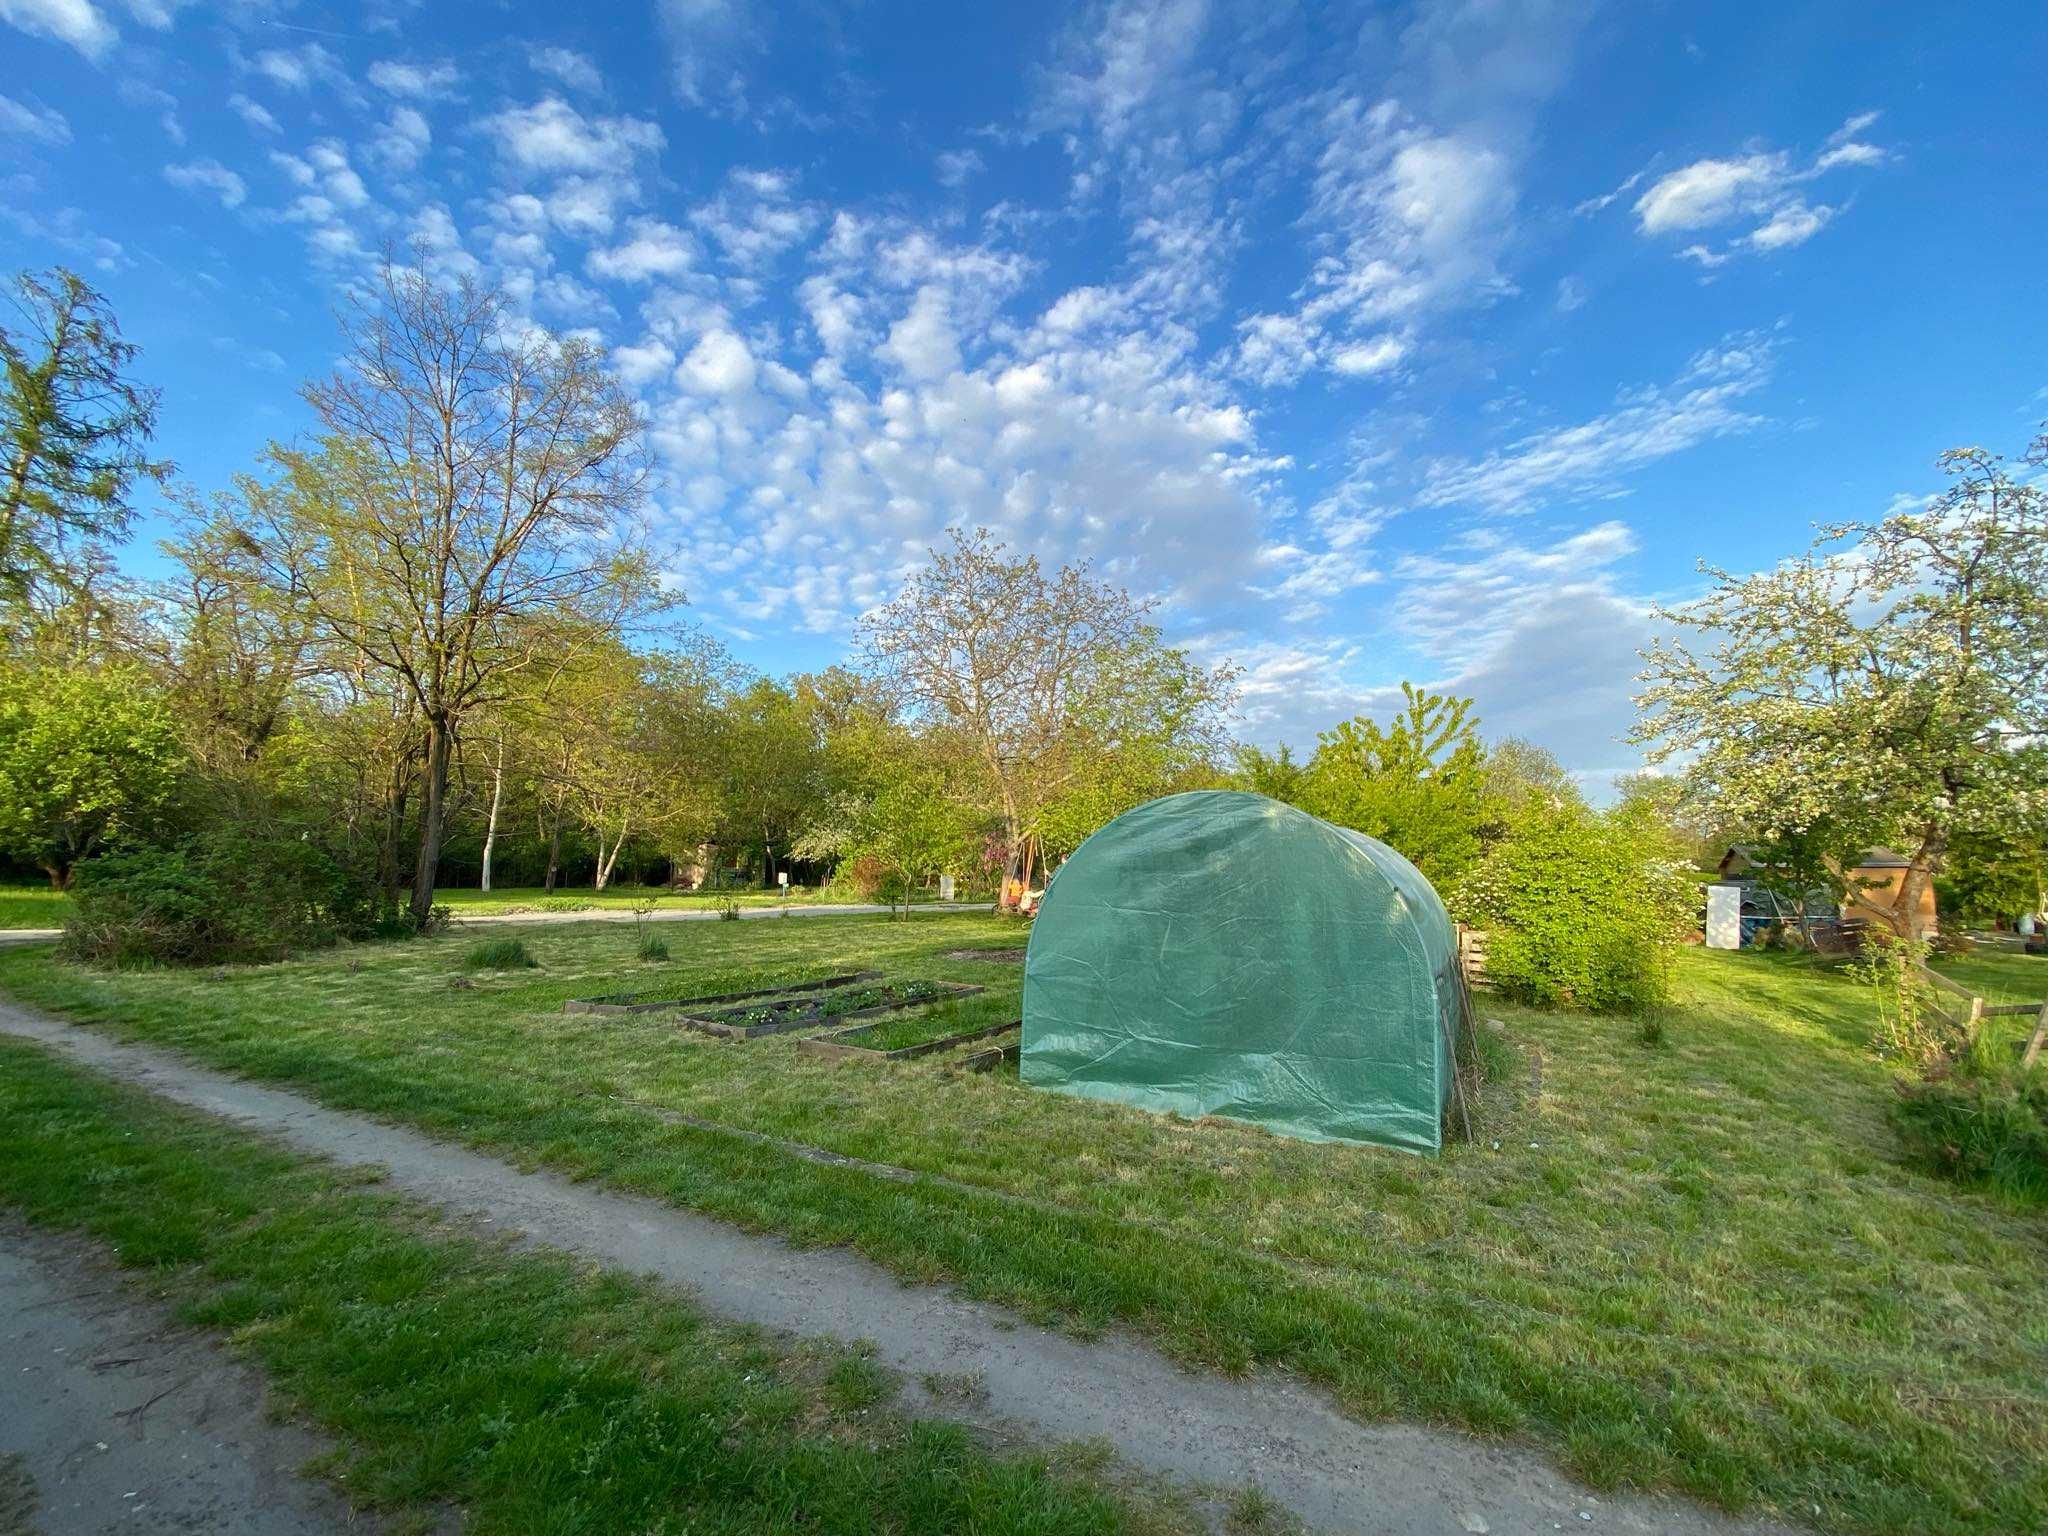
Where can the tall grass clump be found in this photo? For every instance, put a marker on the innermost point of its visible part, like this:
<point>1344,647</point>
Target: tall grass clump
<point>499,955</point>
<point>1981,1120</point>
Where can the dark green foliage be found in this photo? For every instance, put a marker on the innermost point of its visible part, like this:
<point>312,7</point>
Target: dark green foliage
<point>1581,911</point>
<point>1983,1122</point>
<point>499,955</point>
<point>233,896</point>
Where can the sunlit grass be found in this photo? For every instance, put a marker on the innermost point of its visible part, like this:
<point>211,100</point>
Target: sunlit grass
<point>1699,1265</point>
<point>33,905</point>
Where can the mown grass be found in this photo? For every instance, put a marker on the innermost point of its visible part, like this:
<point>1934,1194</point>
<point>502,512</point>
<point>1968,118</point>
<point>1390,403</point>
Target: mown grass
<point>1702,1265</point>
<point>534,1394</point>
<point>33,906</point>
<point>623,898</point>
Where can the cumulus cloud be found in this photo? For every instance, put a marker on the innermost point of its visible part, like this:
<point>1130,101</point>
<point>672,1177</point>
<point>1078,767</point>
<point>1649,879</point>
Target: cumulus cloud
<point>651,249</point>
<point>1762,186</point>
<point>415,82</point>
<point>573,69</point>
<point>255,114</point>
<point>552,136</point>
<point>43,124</point>
<point>77,22</point>
<point>208,176</point>
<point>403,139</point>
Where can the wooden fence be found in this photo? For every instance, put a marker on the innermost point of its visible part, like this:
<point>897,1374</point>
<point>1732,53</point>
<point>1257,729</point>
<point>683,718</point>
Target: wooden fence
<point>1972,1021</point>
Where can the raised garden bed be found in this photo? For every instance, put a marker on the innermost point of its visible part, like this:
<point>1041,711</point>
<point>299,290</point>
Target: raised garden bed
<point>988,956</point>
<point>990,1058</point>
<point>777,1015</point>
<point>639,1002</point>
<point>874,1042</point>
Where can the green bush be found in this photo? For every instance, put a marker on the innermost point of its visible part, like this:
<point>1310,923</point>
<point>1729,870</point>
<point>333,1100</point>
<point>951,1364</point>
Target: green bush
<point>234,896</point>
<point>1982,1122</point>
<point>1581,910</point>
<point>499,955</point>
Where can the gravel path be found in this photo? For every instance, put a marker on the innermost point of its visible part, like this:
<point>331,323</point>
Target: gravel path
<point>1334,1473</point>
<point>115,1418</point>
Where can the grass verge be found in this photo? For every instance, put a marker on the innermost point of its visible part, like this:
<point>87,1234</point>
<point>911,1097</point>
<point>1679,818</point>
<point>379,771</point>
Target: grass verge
<point>536,1394</point>
<point>33,906</point>
<point>1702,1266</point>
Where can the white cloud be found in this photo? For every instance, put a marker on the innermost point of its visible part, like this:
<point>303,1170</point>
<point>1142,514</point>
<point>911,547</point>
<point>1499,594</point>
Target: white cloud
<point>77,22</point>
<point>651,249</point>
<point>1708,192</point>
<point>255,114</point>
<point>208,176</point>
<point>1590,458</point>
<point>325,169</point>
<point>296,69</point>
<point>956,167</point>
<point>44,124</point>
<point>415,82</point>
<point>754,218</point>
<point>706,40</point>
<point>923,343</point>
<point>552,136</point>
<point>1762,185</point>
<point>1375,356</point>
<point>573,69</point>
<point>719,364</point>
<point>1793,224</point>
<point>403,140</point>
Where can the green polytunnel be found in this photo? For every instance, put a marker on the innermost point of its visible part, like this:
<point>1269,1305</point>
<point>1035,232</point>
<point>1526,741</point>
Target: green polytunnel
<point>1218,953</point>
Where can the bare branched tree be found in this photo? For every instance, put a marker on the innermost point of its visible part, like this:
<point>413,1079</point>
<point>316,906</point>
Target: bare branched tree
<point>470,522</point>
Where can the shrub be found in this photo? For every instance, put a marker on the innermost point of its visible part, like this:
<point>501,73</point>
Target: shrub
<point>234,896</point>
<point>499,955</point>
<point>653,947</point>
<point>729,910</point>
<point>1982,1122</point>
<point>1581,910</point>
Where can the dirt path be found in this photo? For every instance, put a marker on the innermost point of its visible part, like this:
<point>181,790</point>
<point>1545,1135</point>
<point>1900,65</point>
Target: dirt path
<point>115,1418</point>
<point>1335,1474</point>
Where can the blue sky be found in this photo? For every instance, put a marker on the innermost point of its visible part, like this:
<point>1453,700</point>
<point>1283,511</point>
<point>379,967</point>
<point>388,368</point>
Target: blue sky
<point>1433,341</point>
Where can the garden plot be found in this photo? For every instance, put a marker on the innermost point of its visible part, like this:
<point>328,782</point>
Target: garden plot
<point>780,1014</point>
<point>642,1002</point>
<point>896,1039</point>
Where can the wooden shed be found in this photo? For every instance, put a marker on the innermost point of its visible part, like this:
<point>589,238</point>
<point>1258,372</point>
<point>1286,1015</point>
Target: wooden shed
<point>1874,886</point>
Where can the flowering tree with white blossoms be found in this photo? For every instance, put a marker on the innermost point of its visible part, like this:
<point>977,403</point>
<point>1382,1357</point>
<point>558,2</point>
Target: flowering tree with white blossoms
<point>1889,687</point>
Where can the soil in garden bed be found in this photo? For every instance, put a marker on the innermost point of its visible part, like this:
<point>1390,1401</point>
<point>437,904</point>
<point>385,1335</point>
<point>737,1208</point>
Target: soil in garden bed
<point>776,1015</point>
<point>897,1038</point>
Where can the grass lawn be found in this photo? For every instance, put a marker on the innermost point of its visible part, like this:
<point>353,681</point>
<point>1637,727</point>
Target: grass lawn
<point>532,898</point>
<point>1699,1265</point>
<point>532,1392</point>
<point>33,906</point>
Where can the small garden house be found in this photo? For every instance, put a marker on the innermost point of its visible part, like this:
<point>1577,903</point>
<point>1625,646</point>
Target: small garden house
<point>1218,953</point>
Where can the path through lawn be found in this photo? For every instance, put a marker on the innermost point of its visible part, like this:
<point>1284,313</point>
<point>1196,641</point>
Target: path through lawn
<point>1698,1266</point>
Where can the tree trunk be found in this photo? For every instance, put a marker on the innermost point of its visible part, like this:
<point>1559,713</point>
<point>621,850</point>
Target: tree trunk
<point>606,862</point>
<point>1919,872</point>
<point>433,806</point>
<point>497,795</point>
<point>60,876</point>
<point>554,854</point>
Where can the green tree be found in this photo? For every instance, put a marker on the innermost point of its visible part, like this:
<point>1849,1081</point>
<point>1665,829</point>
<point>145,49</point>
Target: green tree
<point>989,651</point>
<point>1417,784</point>
<point>1279,775</point>
<point>88,755</point>
<point>74,430</point>
<point>1875,691</point>
<point>770,753</point>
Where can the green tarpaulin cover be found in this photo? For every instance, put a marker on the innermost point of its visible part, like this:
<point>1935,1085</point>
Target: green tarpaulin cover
<point>1219,953</point>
